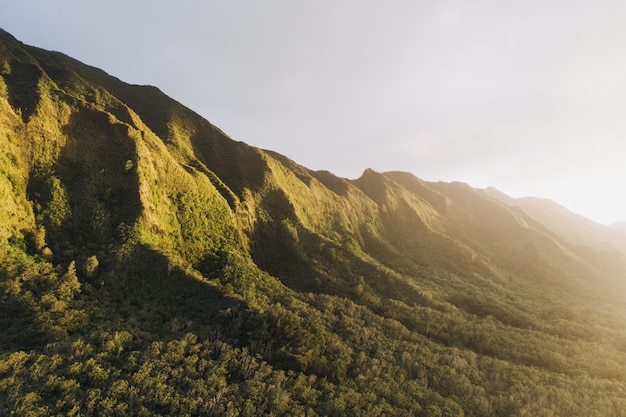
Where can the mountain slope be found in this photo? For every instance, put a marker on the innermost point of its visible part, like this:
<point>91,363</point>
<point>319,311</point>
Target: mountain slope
<point>619,226</point>
<point>570,226</point>
<point>152,265</point>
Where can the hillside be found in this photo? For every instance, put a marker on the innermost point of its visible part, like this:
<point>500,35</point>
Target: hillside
<point>151,265</point>
<point>571,227</point>
<point>619,226</point>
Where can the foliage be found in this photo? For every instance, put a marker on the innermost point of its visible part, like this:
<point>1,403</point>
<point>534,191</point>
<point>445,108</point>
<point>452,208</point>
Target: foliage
<point>149,265</point>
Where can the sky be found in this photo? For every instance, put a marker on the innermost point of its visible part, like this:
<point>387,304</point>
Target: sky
<point>528,97</point>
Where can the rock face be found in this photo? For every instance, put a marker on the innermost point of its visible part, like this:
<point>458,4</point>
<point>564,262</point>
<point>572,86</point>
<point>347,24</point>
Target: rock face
<point>151,264</point>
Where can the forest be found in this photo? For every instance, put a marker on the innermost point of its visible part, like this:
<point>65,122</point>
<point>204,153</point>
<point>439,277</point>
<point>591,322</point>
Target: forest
<point>151,265</point>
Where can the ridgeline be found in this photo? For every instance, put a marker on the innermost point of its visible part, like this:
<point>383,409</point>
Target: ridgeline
<point>151,265</point>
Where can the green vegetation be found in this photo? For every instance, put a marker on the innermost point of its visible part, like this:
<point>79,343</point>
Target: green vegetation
<point>150,265</point>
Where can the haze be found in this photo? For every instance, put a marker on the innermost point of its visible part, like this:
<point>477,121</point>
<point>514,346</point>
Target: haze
<point>528,97</point>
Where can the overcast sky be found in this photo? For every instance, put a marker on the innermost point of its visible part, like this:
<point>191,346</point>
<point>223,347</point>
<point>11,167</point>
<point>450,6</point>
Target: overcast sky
<point>527,96</point>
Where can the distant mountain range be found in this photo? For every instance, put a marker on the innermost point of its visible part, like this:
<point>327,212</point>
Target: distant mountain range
<point>572,227</point>
<point>151,265</point>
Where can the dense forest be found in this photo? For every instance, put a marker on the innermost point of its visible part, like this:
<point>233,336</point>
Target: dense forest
<point>151,265</point>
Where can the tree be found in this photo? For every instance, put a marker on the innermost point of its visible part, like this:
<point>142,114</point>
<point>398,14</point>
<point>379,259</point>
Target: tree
<point>91,266</point>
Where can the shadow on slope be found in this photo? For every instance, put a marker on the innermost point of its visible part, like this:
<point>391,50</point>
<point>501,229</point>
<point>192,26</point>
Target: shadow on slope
<point>158,297</point>
<point>339,186</point>
<point>92,189</point>
<point>22,81</point>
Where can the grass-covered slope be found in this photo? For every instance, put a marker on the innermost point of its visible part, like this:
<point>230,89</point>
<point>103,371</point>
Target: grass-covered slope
<point>150,265</point>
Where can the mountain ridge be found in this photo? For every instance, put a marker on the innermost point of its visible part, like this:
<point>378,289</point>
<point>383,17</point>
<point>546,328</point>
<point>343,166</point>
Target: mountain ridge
<point>573,227</point>
<point>152,265</point>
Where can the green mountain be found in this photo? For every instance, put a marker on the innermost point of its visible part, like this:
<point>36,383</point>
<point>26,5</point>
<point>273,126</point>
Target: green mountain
<point>151,265</point>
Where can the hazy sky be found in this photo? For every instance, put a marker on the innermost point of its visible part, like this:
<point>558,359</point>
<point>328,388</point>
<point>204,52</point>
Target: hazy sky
<point>526,96</point>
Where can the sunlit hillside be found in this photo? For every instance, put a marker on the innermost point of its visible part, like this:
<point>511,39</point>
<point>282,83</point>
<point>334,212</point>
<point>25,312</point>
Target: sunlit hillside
<point>151,265</point>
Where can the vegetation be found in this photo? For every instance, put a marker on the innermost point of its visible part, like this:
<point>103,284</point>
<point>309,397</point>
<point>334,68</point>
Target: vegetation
<point>149,265</point>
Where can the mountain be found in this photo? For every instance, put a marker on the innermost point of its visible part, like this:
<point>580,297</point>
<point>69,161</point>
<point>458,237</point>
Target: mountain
<point>619,225</point>
<point>570,226</point>
<point>151,265</point>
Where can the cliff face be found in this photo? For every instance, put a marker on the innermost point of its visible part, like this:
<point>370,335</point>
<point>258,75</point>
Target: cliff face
<point>128,220</point>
